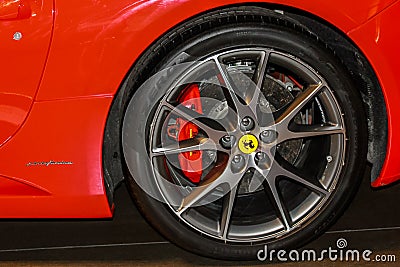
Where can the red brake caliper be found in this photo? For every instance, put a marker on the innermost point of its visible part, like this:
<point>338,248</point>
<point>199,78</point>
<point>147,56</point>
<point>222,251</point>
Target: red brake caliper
<point>191,162</point>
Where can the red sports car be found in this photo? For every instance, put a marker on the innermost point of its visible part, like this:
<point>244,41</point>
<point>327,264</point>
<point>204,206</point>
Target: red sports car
<point>235,123</point>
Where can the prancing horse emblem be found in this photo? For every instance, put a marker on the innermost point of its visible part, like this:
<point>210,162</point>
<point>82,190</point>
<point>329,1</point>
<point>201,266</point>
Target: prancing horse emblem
<point>248,143</point>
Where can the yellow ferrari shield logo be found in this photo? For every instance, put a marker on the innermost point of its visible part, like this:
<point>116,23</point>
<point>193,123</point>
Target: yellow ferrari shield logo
<point>248,144</point>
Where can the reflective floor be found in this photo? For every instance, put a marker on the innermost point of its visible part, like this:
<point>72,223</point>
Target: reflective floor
<point>372,222</point>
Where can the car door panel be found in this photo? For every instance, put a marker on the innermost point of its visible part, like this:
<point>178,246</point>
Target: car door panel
<point>25,34</point>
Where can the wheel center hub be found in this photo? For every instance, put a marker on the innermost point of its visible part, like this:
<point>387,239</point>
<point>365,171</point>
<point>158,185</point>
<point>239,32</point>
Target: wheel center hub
<point>248,143</point>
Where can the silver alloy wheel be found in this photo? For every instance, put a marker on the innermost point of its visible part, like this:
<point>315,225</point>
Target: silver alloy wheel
<point>309,118</point>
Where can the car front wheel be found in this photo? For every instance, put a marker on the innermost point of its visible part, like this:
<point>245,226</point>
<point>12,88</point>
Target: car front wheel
<point>248,132</point>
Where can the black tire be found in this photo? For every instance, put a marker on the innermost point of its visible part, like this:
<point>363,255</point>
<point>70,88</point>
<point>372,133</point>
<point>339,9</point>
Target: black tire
<point>207,35</point>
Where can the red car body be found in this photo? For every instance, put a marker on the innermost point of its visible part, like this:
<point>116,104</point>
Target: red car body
<point>64,61</point>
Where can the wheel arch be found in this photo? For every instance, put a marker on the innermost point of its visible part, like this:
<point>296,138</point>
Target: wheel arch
<point>333,37</point>
<point>366,81</point>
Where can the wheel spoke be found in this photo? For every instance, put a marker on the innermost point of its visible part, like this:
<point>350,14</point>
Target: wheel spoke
<point>303,131</point>
<point>272,191</point>
<point>188,145</point>
<point>295,107</point>
<point>278,170</point>
<point>232,97</point>
<point>214,179</point>
<point>227,210</point>
<point>195,117</point>
<point>306,131</point>
<point>259,81</point>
